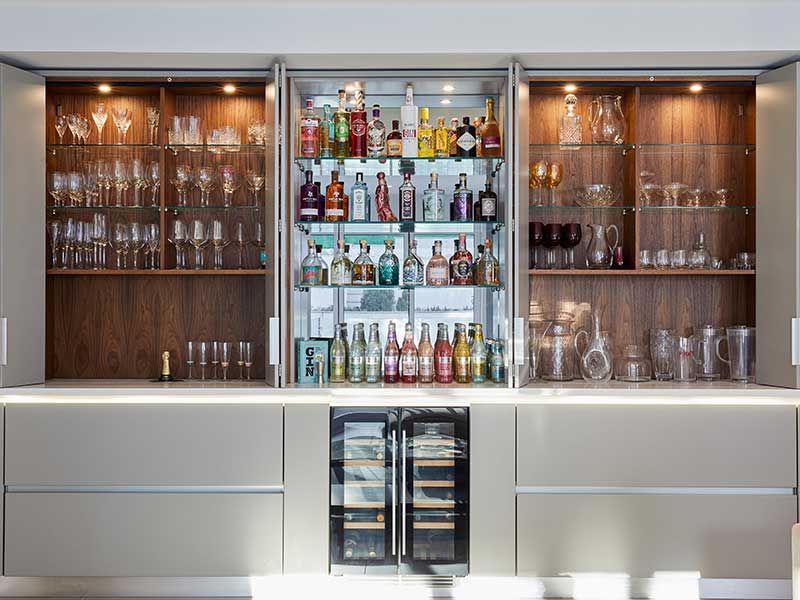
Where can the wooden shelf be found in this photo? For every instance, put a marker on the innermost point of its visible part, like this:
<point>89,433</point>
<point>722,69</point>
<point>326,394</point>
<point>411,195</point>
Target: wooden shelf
<point>434,503</point>
<point>352,462</point>
<point>441,483</point>
<point>435,462</point>
<point>364,505</point>
<point>434,525</point>
<point>376,483</point>
<point>156,272</point>
<point>364,526</point>
<point>640,272</point>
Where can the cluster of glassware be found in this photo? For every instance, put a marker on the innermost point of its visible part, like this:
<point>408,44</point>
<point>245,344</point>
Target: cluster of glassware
<point>78,244</point>
<point>108,183</point>
<point>698,257</point>
<point>122,116</point>
<point>219,355</point>
<point>606,121</point>
<point>198,236</point>
<point>459,270</point>
<point>185,130</point>
<point>541,175</point>
<point>550,237</point>
<point>465,360</point>
<point>208,179</point>
<point>680,194</point>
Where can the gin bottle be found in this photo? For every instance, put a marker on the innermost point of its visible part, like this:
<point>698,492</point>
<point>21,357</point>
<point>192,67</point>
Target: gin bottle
<point>462,200</point>
<point>491,266</point>
<point>363,267</point>
<point>341,266</point>
<point>408,124</point>
<point>408,357</point>
<point>309,199</point>
<point>487,204</point>
<point>413,269</point>
<point>388,265</point>
<point>358,126</point>
<point>338,368</point>
<point>465,144</point>
<point>359,200</point>
<point>437,271</point>
<point>408,199</point>
<point>311,266</point>
<point>497,363</point>
<point>569,130</point>
<point>461,263</point>
<point>334,199</point>
<point>477,359</point>
<point>433,201</point>
<point>309,132</point>
<point>341,128</point>
<point>376,134</point>
<point>425,134</point>
<point>326,132</point>
<point>391,357</point>
<point>478,273</point>
<point>425,353</point>
<point>441,139</point>
<point>358,353</point>
<point>374,355</point>
<point>443,356</point>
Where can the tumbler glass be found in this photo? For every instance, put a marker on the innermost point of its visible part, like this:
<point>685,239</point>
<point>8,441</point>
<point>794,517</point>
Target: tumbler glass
<point>662,343</point>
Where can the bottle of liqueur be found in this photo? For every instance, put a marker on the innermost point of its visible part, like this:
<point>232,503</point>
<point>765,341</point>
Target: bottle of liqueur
<point>326,132</point>
<point>383,205</point>
<point>497,363</point>
<point>433,201</point>
<point>388,266</point>
<point>408,357</point>
<point>443,356</point>
<point>363,267</point>
<point>408,199</point>
<point>309,131</point>
<point>425,353</point>
<point>461,263</point>
<point>490,136</point>
<point>394,141</point>
<point>462,201</point>
<point>437,272</point>
<point>325,273</point>
<point>461,357</point>
<point>358,126</point>
<point>376,134</point>
<point>311,267</point>
<point>441,139</point>
<point>477,359</point>
<point>465,145</point>
<point>309,199</point>
<point>478,274</point>
<point>408,123</point>
<point>413,269</point>
<point>320,201</point>
<point>477,123</point>
<point>358,355</point>
<point>424,134</point>
<point>454,136</point>
<point>334,199</point>
<point>341,128</point>
<point>359,200</point>
<point>338,367</point>
<point>491,266</point>
<point>391,357</point>
<point>341,266</point>
<point>374,355</point>
<point>487,203</point>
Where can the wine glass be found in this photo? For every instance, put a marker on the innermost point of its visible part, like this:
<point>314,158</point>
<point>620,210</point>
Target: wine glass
<point>100,241</point>
<point>206,181</point>
<point>88,244</point>
<point>536,233</point>
<point>122,119</point>
<point>61,127</point>
<point>84,129</point>
<point>215,346</point>
<point>91,183</point>
<point>218,241</point>
<point>136,240</point>
<point>54,229</point>
<point>537,174</point>
<point>121,244</point>
<point>198,238</point>
<point>260,241</point>
<point>57,184</point>
<point>182,181</point>
<point>203,359</point>
<point>555,173</point>
<point>552,239</point>
<point>153,243</point>
<point>153,179</point>
<point>75,188</point>
<point>190,346</point>
<point>570,237</point>
<point>152,122</point>
<point>240,358</point>
<point>100,116</point>
<point>180,237</point>
<point>248,356</point>
<point>240,237</point>
<point>139,180</point>
<point>74,124</point>
<point>226,359</point>
<point>121,181</point>
<point>255,183</point>
<point>230,182</point>
<point>105,176</point>
<point>68,244</point>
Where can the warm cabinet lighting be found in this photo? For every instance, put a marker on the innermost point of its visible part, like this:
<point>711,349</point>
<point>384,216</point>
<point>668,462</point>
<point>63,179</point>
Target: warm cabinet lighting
<point>229,88</point>
<point>445,101</point>
<point>103,88</point>
<point>448,88</point>
<point>570,88</point>
<point>695,87</point>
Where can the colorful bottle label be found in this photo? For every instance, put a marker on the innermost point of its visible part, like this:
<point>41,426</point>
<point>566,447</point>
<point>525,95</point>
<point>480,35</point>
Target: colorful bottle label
<point>444,370</point>
<point>461,203</point>
<point>462,271</point>
<point>488,207</point>
<point>387,273</point>
<point>358,126</point>
<point>490,142</point>
<point>437,275</point>
<point>433,205</point>
<point>425,142</point>
<point>337,368</point>
<point>390,366</point>
<point>426,367</point>
<point>356,368</point>
<point>340,274</point>
<point>359,205</point>
<point>413,274</point>
<point>409,366</point>
<point>407,201</point>
<point>341,130</point>
<point>462,367</point>
<point>309,137</point>
<point>466,141</point>
<point>376,142</point>
<point>394,147</point>
<point>312,275</point>
<point>478,369</point>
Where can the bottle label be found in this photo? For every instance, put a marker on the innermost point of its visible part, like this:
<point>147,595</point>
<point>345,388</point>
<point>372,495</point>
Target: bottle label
<point>445,365</point>
<point>359,205</point>
<point>462,271</point>
<point>308,212</point>
<point>488,207</point>
<point>491,142</point>
<point>466,141</point>
<point>407,201</point>
<point>387,273</point>
<point>334,212</point>
<point>425,142</point>
<point>426,367</point>
<point>337,367</point>
<point>437,275</point>
<point>433,205</point>
<point>409,366</point>
<point>394,147</point>
<point>461,202</point>
<point>340,275</point>
<point>462,366</point>
<point>412,273</point>
<point>376,142</point>
<point>357,367</point>
<point>373,362</point>
<point>309,137</point>
<point>390,366</point>
<point>478,368</point>
<point>312,275</point>
<point>358,126</point>
<point>341,130</point>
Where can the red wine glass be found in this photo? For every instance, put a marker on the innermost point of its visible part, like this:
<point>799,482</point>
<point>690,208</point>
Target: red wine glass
<point>570,237</point>
<point>536,234</point>
<point>552,240</point>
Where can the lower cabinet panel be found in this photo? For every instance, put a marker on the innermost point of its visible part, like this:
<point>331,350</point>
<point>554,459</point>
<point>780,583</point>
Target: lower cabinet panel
<point>156,535</point>
<point>721,536</point>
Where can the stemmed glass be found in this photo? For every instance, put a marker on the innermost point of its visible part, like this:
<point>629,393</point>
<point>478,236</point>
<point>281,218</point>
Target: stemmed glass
<point>58,187</point>
<point>100,241</point>
<point>84,129</point>
<point>105,176</point>
<point>218,241</point>
<point>152,122</point>
<point>230,182</point>
<point>77,193</point>
<point>122,119</point>
<point>139,179</point>
<point>536,233</point>
<point>121,244</point>
<point>198,238</point>
<point>121,181</point>
<point>136,240</point>
<point>537,174</point>
<point>61,127</point>
<point>552,239</point>
<point>182,181</point>
<point>570,237</point>
<point>74,124</point>
<point>100,116</point>
<point>87,244</point>
<point>54,229</point>
<point>240,360</point>
<point>179,239</point>
<point>153,179</point>
<point>91,183</point>
<point>215,347</point>
<point>206,181</point>
<point>255,183</point>
<point>81,241</point>
<point>555,173</point>
<point>248,356</point>
<point>260,241</point>
<point>226,359</point>
<point>68,250</point>
<point>190,357</point>
<point>203,359</point>
<point>240,237</point>
<point>153,236</point>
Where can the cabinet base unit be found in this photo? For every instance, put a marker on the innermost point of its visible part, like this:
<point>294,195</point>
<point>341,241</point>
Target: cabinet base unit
<point>399,491</point>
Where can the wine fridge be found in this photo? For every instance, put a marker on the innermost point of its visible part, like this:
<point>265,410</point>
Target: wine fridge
<point>399,498</point>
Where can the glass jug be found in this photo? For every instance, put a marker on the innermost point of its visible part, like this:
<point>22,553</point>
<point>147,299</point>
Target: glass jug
<point>606,120</point>
<point>741,353</point>
<point>599,253</point>
<point>709,366</point>
<point>596,362</point>
<point>684,359</point>
<point>557,350</point>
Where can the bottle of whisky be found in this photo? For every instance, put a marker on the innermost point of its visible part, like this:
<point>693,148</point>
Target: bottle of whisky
<point>311,266</point>
<point>358,126</point>
<point>359,200</point>
<point>394,141</point>
<point>408,199</point>
<point>309,132</point>
<point>461,357</point>
<point>490,136</point>
<point>334,200</point>
<point>437,271</point>
<point>425,353</point>
<point>409,118</point>
<point>358,354</point>
<point>433,201</point>
<point>382,202</point>
<point>326,132</point>
<point>454,136</point>
<point>341,128</point>
<point>441,139</point>
<point>461,263</point>
<point>462,200</point>
<point>309,198</point>
<point>374,355</point>
<point>443,356</point>
<point>391,357</point>
<point>376,134</point>
<point>465,145</point>
<point>363,267</point>
<point>338,368</point>
<point>413,269</point>
<point>408,357</point>
<point>341,266</point>
<point>477,359</point>
<point>487,202</point>
<point>424,134</point>
<point>388,265</point>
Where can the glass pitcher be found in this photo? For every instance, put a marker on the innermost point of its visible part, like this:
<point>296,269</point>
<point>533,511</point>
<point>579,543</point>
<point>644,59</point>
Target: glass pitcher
<point>596,362</point>
<point>599,253</point>
<point>606,120</point>
<point>741,353</point>
<point>557,349</point>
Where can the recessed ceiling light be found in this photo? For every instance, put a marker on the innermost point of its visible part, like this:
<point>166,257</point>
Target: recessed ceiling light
<point>448,88</point>
<point>229,88</point>
<point>445,101</point>
<point>695,87</point>
<point>570,88</point>
<point>103,88</point>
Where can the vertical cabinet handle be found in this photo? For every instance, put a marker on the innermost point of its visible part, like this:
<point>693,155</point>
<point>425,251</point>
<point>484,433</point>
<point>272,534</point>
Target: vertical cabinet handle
<point>394,492</point>
<point>403,495</point>
<point>3,341</point>
<point>795,342</point>
<point>274,340</point>
<point>519,341</point>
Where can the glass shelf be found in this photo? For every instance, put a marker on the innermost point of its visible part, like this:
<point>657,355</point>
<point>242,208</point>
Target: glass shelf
<point>302,287</point>
<point>711,208</point>
<point>394,159</point>
<point>104,207</point>
<point>54,148</point>
<point>576,207</point>
<point>404,226</point>
<point>233,207</point>
<point>697,148</point>
<point>216,148</point>
<point>548,149</point>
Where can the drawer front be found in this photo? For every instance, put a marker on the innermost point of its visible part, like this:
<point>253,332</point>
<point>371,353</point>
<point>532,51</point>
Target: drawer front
<point>143,535</point>
<point>579,445</point>
<point>234,444</point>
<point>733,537</point>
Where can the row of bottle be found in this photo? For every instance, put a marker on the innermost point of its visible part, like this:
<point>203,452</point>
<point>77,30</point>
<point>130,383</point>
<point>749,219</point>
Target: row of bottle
<point>465,360</point>
<point>346,133</point>
<point>459,270</point>
<point>336,206</point>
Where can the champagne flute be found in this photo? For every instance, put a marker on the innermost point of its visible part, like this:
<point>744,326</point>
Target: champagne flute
<point>121,181</point>
<point>139,179</point>
<point>226,359</point>
<point>136,240</point>
<point>153,179</point>
<point>84,129</point>
<point>218,241</point>
<point>61,127</point>
<point>248,357</point>
<point>100,240</point>
<point>179,239</point>
<point>203,359</point>
<point>70,233</point>
<point>240,237</point>
<point>121,245</point>
<point>190,346</point>
<point>260,242</point>
<point>215,346</point>
<point>198,237</point>
<point>152,121</point>
<point>54,229</point>
<point>122,119</point>
<point>240,360</point>
<point>100,116</point>
<point>153,243</point>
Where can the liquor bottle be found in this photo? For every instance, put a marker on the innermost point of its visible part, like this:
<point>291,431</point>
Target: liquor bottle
<point>311,266</point>
<point>363,267</point>
<point>343,327</point>
<point>408,199</point>
<point>394,141</point>
<point>408,357</point>
<point>358,354</point>
<point>320,201</point>
<point>570,128</point>
<point>441,139</point>
<point>345,197</point>
<point>388,266</point>
<point>408,123</point>
<point>358,126</point>
<point>487,202</point>
<point>325,273</point>
<point>359,200</point>
<point>478,273</point>
<point>374,356</point>
<point>477,123</point>
<point>437,272</point>
<point>309,131</point>
<point>465,145</point>
<point>461,263</point>
<point>497,363</point>
<point>425,353</point>
<point>424,134</point>
<point>309,199</point>
<point>334,202</point>
<point>491,266</point>
<point>376,134</point>
<point>462,200</point>
<point>382,202</point>
<point>443,356</point>
<point>477,358</point>
<point>461,358</point>
<point>341,266</point>
<point>490,136</point>
<point>391,357</point>
<point>453,136</point>
<point>338,367</point>
<point>341,128</point>
<point>326,132</point>
<point>433,201</point>
<point>471,335</point>
<point>413,269</point>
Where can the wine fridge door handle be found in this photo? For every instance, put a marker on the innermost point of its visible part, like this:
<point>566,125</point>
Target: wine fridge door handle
<point>403,495</point>
<point>394,493</point>
<point>274,340</point>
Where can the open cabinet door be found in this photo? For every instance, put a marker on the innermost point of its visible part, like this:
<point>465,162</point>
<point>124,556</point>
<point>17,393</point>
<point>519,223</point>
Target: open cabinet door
<point>521,291</point>
<point>22,227</point>
<point>778,227</point>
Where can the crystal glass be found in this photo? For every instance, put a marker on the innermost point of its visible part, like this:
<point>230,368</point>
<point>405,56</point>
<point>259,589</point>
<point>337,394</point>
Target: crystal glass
<point>54,230</point>
<point>61,127</point>
<point>240,359</point>
<point>674,193</point>
<point>153,237</point>
<point>248,357</point>
<point>206,181</point>
<point>182,182</point>
<point>180,237</point>
<point>91,183</point>
<point>646,259</point>
<point>152,177</point>
<point>121,244</point>
<point>552,240</point>
<point>256,132</point>
<point>84,129</point>
<point>75,188</point>
<point>555,173</point>
<point>136,240</point>
<point>215,349</point>
<point>536,176</point>
<point>662,344</point>
<point>177,132</point>
<point>74,123</point>
<point>569,131</point>
<point>100,116</point>
<point>570,237</point>
<point>194,134</point>
<point>634,366</point>
<point>677,259</point>
<point>190,350</point>
<point>218,241</point>
<point>122,119</point>
<point>203,358</point>
<point>662,260</point>
<point>68,244</point>
<point>57,183</point>
<point>121,181</point>
<point>260,242</point>
<point>99,240</point>
<point>240,237</point>
<point>152,122</point>
<point>105,178</point>
<point>721,197</point>
<point>225,359</point>
<point>139,181</point>
<point>198,238</point>
<point>746,261</point>
<point>230,182</point>
<point>606,120</point>
<point>255,183</point>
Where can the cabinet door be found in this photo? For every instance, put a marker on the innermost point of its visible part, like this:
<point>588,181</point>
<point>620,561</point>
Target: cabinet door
<point>22,226</point>
<point>777,227</point>
<point>271,225</point>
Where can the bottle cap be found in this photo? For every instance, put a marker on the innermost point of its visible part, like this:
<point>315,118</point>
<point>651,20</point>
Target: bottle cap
<point>309,103</point>
<point>381,175</point>
<point>359,177</point>
<point>465,120</point>
<point>423,114</point>
<point>395,124</point>
<point>440,122</point>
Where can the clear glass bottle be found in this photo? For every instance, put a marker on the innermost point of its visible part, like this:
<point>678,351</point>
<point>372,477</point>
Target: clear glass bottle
<point>309,199</point>
<point>408,357</point>
<point>376,134</point>
<point>454,136</point>
<point>394,141</point>
<point>311,266</point>
<point>424,134</point>
<point>461,355</point>
<point>497,363</point>
<point>326,132</point>
<point>388,266</point>
<point>491,266</point>
<point>443,356</point>
<point>408,199</point>
<point>358,355</point>
<point>374,355</point>
<point>382,203</point>
<point>441,139</point>
<point>433,201</point>
<point>461,263</point>
<point>413,269</point>
<point>359,200</point>
<point>409,118</point>
<point>363,267</point>
<point>341,128</point>
<point>477,359</point>
<point>462,200</point>
<point>437,272</point>
<point>391,357</point>
<point>487,204</point>
<point>341,266</point>
<point>490,134</point>
<point>309,131</point>
<point>569,130</point>
<point>334,200</point>
<point>425,353</point>
<point>338,367</point>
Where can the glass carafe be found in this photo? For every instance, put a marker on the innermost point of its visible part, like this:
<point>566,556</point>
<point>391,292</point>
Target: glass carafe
<point>606,120</point>
<point>596,362</point>
<point>741,353</point>
<point>709,366</point>
<point>599,252</point>
<point>684,359</point>
<point>557,351</point>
